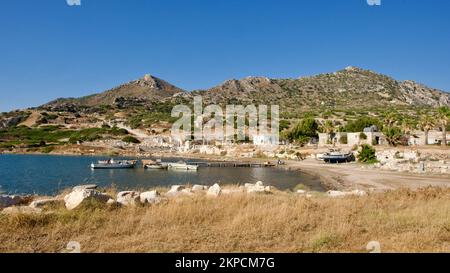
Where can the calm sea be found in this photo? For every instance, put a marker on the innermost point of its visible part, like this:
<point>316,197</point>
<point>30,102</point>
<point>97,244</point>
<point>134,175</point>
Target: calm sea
<point>47,175</point>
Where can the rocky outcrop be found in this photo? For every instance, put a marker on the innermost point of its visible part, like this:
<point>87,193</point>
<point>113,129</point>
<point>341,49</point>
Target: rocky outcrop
<point>150,197</point>
<point>214,191</point>
<point>129,198</point>
<point>258,188</point>
<point>412,162</point>
<point>81,195</point>
<point>11,200</point>
<point>51,202</point>
<point>174,190</point>
<point>197,188</point>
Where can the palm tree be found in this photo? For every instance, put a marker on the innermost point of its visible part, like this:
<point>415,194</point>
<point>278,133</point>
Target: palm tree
<point>328,128</point>
<point>443,118</point>
<point>390,119</point>
<point>407,126</point>
<point>427,123</point>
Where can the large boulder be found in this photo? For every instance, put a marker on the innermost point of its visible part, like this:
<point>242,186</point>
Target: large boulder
<point>199,188</point>
<point>258,188</point>
<point>85,187</point>
<point>11,200</point>
<point>214,191</point>
<point>129,198</point>
<point>175,190</point>
<point>150,197</point>
<point>79,196</point>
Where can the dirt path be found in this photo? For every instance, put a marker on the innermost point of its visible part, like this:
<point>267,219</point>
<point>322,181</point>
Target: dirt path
<point>348,176</point>
<point>141,134</point>
<point>31,120</point>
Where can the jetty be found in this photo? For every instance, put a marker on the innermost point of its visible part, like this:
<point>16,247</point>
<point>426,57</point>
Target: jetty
<point>214,164</point>
<point>233,164</point>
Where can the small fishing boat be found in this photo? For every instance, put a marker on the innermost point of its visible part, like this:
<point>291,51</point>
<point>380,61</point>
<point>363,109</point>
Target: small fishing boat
<point>336,157</point>
<point>182,166</point>
<point>113,164</point>
<point>154,165</point>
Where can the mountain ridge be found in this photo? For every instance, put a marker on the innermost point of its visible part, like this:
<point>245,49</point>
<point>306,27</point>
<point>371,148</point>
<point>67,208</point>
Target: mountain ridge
<point>348,87</point>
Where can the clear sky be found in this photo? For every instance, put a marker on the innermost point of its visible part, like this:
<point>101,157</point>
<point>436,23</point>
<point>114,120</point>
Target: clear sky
<point>49,49</point>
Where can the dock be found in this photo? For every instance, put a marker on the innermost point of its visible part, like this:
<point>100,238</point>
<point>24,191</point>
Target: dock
<point>219,164</point>
<point>229,164</point>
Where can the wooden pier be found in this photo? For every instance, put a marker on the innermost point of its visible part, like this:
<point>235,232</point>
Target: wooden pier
<point>218,164</point>
<point>228,164</point>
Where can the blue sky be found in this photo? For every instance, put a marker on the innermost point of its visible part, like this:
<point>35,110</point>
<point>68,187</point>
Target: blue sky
<point>49,49</point>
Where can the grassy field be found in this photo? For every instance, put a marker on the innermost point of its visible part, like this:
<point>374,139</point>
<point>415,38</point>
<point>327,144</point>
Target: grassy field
<point>402,221</point>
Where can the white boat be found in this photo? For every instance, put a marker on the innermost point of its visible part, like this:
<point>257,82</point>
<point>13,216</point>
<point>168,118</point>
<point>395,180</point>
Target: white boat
<point>336,157</point>
<point>156,166</point>
<point>112,164</point>
<point>182,166</point>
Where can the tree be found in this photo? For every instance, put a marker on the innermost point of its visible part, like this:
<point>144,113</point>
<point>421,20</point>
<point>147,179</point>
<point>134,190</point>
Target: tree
<point>393,135</point>
<point>360,124</point>
<point>407,126</point>
<point>304,130</point>
<point>390,119</point>
<point>328,128</point>
<point>427,123</point>
<point>367,154</point>
<point>443,118</point>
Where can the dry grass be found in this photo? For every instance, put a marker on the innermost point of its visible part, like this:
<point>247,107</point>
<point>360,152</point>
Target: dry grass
<point>402,221</point>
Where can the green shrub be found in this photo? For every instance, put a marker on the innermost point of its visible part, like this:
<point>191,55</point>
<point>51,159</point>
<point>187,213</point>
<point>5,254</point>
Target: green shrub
<point>367,154</point>
<point>360,124</point>
<point>130,139</point>
<point>393,135</point>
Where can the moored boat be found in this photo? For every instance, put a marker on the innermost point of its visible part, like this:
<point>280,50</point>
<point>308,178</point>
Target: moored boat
<point>335,157</point>
<point>113,164</point>
<point>182,166</point>
<point>154,165</point>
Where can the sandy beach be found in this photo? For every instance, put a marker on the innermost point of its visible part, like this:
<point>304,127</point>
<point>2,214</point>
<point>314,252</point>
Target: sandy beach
<point>357,176</point>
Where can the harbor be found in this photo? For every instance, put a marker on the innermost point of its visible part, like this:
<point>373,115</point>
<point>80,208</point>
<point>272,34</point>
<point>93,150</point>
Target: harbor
<point>50,174</point>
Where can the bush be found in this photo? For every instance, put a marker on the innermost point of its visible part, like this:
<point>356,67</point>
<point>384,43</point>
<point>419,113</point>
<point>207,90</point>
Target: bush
<point>130,139</point>
<point>360,124</point>
<point>393,135</point>
<point>305,130</point>
<point>363,136</point>
<point>367,155</point>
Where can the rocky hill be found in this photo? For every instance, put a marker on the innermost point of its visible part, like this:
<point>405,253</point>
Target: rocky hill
<point>149,88</point>
<point>351,87</point>
<point>348,88</point>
